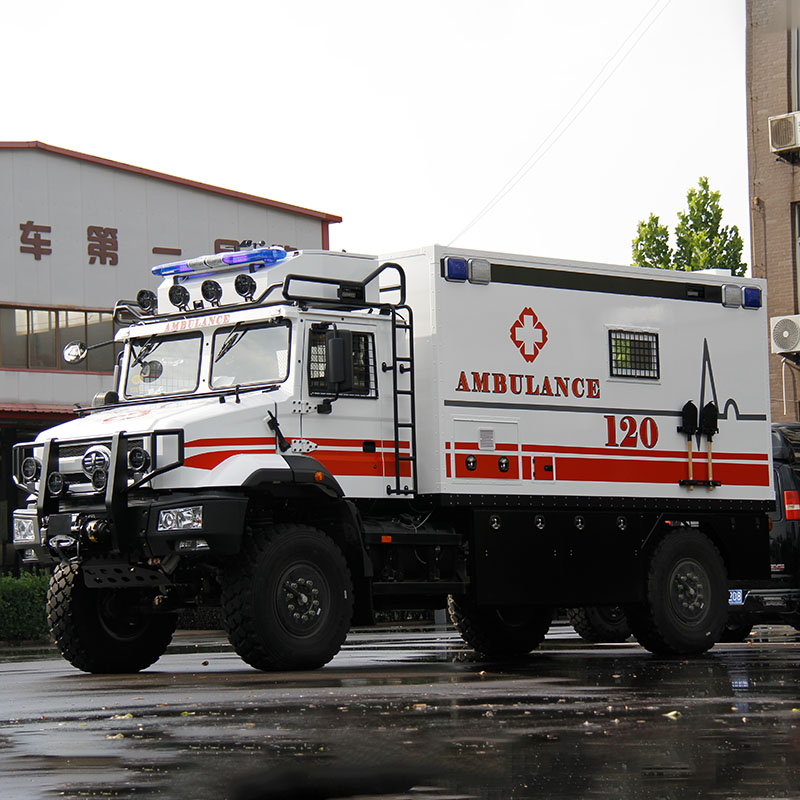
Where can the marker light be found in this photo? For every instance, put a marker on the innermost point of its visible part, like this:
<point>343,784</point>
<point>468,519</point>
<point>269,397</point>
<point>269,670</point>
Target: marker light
<point>212,292</point>
<point>752,297</point>
<point>455,269</point>
<point>179,296</point>
<point>262,257</point>
<point>245,286</point>
<point>146,300</point>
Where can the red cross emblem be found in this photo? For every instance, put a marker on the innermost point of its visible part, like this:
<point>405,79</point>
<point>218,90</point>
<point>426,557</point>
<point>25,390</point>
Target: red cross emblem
<point>528,334</point>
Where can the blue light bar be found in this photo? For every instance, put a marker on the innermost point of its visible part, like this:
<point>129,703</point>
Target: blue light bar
<point>262,257</point>
<point>752,297</point>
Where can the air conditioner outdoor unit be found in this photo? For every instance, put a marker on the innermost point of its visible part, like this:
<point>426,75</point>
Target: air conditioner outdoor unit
<point>784,132</point>
<point>785,334</point>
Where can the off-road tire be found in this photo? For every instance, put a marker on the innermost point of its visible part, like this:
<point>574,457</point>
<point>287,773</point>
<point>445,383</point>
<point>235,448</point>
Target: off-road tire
<point>104,630</point>
<point>267,588</point>
<point>503,632</point>
<point>600,623</point>
<point>686,596</point>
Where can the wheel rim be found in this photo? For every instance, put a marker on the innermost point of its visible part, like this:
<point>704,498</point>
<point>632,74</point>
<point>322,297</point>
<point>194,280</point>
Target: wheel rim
<point>118,620</point>
<point>302,599</point>
<point>613,615</point>
<point>689,591</point>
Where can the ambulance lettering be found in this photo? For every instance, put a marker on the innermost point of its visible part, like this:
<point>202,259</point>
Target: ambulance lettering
<point>519,384</point>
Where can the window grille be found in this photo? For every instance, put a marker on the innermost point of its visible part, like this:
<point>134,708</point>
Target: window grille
<point>634,354</point>
<point>364,376</point>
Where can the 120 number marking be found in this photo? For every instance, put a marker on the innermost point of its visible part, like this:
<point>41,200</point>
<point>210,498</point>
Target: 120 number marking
<point>627,432</point>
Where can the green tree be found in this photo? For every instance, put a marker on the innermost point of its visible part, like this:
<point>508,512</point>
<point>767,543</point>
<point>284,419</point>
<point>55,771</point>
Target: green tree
<point>701,241</point>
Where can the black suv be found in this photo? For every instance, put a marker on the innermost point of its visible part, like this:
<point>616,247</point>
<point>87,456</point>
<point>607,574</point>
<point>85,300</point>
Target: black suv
<point>777,599</point>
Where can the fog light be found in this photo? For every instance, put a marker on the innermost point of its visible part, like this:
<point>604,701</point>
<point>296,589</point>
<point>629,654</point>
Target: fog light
<point>180,519</point>
<point>138,459</point>
<point>99,479</point>
<point>24,530</point>
<point>56,483</point>
<point>191,545</point>
<point>31,469</point>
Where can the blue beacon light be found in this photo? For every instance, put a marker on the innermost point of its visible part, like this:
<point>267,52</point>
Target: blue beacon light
<point>752,297</point>
<point>262,257</point>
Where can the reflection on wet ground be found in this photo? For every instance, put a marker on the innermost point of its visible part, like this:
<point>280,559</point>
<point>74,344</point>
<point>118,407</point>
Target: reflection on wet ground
<point>411,714</point>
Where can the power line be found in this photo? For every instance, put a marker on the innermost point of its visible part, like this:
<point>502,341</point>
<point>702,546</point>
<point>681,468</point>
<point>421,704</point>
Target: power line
<point>555,134</point>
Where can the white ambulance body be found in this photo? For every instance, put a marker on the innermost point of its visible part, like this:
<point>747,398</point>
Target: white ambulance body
<point>303,437</point>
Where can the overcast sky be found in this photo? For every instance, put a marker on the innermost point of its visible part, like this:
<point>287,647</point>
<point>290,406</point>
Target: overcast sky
<point>406,119</point>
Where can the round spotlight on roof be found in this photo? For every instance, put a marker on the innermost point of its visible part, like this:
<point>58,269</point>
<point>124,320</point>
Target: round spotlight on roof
<point>146,300</point>
<point>245,286</point>
<point>212,292</point>
<point>179,297</point>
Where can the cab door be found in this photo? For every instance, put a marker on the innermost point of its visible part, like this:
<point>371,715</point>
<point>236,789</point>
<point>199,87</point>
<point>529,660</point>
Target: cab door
<point>345,418</point>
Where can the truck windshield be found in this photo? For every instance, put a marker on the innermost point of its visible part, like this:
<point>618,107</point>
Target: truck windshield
<point>163,365</point>
<point>257,353</point>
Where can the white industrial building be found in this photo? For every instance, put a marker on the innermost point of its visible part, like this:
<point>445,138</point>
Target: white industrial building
<point>77,233</point>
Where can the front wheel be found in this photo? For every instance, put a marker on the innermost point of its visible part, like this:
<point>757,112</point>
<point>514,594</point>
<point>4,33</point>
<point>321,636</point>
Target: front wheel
<point>686,597</point>
<point>104,630</point>
<point>500,632</point>
<point>288,601</point>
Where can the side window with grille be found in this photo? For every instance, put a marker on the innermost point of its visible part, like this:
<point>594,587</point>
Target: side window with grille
<point>363,354</point>
<point>633,354</point>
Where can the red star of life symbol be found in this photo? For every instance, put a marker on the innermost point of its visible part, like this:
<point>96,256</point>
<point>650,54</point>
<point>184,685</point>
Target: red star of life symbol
<point>528,334</point>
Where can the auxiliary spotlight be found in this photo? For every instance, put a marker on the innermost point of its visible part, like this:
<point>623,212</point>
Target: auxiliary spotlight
<point>179,297</point>
<point>212,292</point>
<point>245,286</point>
<point>146,300</point>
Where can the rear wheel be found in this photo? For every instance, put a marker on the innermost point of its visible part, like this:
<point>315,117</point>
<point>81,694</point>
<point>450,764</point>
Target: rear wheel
<point>686,596</point>
<point>104,630</point>
<point>499,632</point>
<point>288,601</point>
<point>600,623</point>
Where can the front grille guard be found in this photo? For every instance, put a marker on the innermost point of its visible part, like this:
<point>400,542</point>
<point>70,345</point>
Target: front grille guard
<point>119,479</point>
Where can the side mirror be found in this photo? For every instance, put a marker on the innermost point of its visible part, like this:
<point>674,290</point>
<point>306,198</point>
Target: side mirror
<point>339,361</point>
<point>74,352</point>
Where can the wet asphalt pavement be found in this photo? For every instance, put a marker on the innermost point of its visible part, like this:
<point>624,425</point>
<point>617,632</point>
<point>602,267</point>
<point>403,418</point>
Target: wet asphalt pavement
<point>409,714</point>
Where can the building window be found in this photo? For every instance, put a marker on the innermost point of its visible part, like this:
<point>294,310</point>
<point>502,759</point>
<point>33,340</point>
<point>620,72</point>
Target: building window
<point>363,353</point>
<point>33,338</point>
<point>633,354</point>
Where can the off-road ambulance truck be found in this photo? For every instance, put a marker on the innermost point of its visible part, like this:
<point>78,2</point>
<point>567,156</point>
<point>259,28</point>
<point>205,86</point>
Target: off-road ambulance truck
<point>305,437</point>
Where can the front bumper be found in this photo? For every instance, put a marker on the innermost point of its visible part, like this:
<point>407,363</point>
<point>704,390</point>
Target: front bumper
<point>136,535</point>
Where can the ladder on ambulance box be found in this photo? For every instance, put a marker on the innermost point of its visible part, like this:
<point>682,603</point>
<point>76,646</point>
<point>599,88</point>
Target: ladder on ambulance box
<point>403,401</point>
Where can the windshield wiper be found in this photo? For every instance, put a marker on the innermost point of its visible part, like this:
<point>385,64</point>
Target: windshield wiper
<point>150,344</point>
<point>233,338</point>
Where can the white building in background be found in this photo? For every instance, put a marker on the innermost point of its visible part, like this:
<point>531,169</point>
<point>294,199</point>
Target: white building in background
<point>77,233</point>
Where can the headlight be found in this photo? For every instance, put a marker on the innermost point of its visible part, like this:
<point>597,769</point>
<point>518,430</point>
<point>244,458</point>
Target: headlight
<point>25,530</point>
<point>181,519</point>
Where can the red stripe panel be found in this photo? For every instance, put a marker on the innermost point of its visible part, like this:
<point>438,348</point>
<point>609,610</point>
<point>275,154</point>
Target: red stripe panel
<point>214,458</point>
<point>639,452</point>
<point>639,471</point>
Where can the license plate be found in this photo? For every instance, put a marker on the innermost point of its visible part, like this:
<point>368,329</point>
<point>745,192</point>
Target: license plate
<point>735,597</point>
